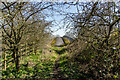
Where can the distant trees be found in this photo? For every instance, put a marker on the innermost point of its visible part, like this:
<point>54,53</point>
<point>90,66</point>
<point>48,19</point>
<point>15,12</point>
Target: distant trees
<point>36,36</point>
<point>16,18</point>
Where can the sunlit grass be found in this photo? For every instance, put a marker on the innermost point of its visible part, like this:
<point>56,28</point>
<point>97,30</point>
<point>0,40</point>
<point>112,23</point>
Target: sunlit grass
<point>44,64</point>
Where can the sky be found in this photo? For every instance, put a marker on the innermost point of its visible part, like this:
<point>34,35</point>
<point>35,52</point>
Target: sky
<point>58,27</point>
<point>57,18</point>
<point>57,24</point>
<point>61,32</point>
<point>61,0</point>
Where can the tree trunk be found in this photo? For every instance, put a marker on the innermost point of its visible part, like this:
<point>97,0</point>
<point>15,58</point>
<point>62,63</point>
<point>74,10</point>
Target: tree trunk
<point>17,59</point>
<point>35,50</point>
<point>5,60</point>
<point>17,63</point>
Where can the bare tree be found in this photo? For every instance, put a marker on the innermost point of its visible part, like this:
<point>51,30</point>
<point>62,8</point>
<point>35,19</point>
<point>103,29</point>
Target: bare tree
<point>15,16</point>
<point>95,27</point>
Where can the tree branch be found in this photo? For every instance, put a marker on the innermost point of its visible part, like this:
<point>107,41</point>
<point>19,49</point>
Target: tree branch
<point>7,6</point>
<point>31,15</point>
<point>110,29</point>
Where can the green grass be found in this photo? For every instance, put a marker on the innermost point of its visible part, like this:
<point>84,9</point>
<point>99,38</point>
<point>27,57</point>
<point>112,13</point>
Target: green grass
<point>41,66</point>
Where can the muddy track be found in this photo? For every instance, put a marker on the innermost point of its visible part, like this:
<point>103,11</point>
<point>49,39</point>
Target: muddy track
<point>56,70</point>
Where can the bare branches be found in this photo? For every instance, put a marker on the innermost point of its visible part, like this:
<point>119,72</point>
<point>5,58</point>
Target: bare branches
<point>111,25</point>
<point>8,5</point>
<point>37,12</point>
<point>15,22</point>
<point>33,14</point>
<point>91,13</point>
<point>110,29</point>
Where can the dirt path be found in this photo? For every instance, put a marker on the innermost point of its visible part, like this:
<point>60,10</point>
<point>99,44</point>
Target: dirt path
<point>56,70</point>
